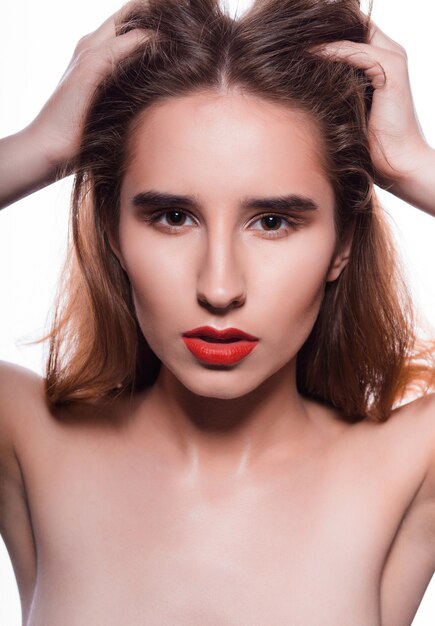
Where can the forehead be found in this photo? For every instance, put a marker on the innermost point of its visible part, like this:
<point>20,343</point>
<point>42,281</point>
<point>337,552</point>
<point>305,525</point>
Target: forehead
<point>236,140</point>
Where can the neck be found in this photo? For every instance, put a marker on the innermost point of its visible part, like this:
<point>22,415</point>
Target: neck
<point>209,434</point>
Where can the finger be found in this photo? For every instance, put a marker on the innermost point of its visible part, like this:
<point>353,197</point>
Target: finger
<point>366,57</point>
<point>99,60</point>
<point>124,44</point>
<point>108,28</point>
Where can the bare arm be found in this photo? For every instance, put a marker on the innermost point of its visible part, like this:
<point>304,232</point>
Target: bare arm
<point>45,149</point>
<point>417,186</point>
<point>24,166</point>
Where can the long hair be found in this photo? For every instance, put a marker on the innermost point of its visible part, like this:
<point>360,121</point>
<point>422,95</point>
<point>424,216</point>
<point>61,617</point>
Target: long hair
<point>362,354</point>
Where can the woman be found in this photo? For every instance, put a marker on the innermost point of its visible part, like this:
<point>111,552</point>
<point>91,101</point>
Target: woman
<point>219,427</point>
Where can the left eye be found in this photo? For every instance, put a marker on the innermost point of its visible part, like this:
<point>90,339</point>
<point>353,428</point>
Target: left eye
<point>275,226</point>
<point>272,222</point>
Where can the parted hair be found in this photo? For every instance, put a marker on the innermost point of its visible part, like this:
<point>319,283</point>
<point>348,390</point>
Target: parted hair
<point>362,354</point>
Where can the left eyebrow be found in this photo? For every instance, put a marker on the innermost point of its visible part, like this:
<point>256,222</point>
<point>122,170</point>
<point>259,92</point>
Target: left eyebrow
<point>157,199</point>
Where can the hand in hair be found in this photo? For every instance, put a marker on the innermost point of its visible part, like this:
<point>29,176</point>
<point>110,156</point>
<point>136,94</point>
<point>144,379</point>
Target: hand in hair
<point>404,163</point>
<point>46,148</point>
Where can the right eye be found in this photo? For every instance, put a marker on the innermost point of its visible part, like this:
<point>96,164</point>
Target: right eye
<point>174,219</point>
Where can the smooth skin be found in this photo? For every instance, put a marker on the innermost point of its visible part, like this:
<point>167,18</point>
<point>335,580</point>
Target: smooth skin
<point>220,496</point>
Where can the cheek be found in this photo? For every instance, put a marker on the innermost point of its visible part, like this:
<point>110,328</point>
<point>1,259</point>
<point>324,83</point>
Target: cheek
<point>157,277</point>
<point>290,285</point>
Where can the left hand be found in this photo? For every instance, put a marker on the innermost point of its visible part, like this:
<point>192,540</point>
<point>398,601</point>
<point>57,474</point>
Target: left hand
<point>397,144</point>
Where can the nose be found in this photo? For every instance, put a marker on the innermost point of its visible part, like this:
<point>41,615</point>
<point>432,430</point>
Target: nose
<point>221,283</point>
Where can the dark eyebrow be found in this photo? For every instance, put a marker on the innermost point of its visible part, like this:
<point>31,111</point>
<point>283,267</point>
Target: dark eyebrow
<point>157,199</point>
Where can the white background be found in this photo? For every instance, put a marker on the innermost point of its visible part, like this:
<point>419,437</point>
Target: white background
<point>37,41</point>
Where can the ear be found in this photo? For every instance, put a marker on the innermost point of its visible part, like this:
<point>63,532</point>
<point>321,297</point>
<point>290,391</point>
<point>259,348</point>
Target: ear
<point>341,257</point>
<point>114,246</point>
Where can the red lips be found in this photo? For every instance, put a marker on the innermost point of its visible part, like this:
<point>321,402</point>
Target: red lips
<point>225,334</point>
<point>219,347</point>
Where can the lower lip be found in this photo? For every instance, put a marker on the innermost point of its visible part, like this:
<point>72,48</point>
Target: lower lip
<point>219,353</point>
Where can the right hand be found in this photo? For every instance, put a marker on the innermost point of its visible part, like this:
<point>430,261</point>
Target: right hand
<point>59,124</point>
<point>46,149</point>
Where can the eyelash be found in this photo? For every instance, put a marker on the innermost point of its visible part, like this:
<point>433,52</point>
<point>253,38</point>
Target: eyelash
<point>293,223</point>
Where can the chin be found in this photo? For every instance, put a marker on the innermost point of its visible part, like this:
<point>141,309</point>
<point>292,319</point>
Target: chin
<point>219,384</point>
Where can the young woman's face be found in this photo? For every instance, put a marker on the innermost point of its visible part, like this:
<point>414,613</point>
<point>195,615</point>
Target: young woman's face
<point>223,255</point>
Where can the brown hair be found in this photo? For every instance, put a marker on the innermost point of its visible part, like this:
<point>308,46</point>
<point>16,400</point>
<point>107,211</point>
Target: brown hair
<point>361,355</point>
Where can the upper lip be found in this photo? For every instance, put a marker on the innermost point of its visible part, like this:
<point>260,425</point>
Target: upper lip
<point>215,333</point>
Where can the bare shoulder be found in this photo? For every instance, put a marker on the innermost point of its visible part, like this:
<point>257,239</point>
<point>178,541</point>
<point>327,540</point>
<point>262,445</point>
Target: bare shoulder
<point>416,422</point>
<point>24,378</point>
<point>21,396</point>
<point>20,389</point>
<point>414,430</point>
<point>420,415</point>
<point>22,400</point>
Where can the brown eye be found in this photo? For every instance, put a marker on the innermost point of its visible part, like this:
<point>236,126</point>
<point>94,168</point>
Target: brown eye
<point>271,222</point>
<point>169,219</point>
<point>175,218</point>
<point>274,225</point>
